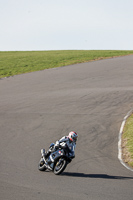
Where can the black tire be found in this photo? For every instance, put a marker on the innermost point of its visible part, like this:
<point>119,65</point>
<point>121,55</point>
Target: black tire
<point>41,165</point>
<point>60,166</point>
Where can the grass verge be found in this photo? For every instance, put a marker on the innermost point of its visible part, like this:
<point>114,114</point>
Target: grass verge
<point>13,63</point>
<point>127,142</point>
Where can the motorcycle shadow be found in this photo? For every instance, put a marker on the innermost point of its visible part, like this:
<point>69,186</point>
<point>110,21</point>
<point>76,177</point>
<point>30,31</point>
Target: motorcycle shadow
<point>103,176</point>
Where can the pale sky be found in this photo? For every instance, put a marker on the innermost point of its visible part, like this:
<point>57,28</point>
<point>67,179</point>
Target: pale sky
<point>66,24</point>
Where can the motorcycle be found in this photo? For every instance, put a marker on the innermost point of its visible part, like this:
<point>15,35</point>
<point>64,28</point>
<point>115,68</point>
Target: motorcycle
<point>56,161</point>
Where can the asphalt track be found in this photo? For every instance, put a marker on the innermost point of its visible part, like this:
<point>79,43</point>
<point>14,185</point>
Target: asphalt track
<point>38,108</point>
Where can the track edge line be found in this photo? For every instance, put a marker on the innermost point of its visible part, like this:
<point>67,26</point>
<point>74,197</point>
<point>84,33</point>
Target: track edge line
<point>120,141</point>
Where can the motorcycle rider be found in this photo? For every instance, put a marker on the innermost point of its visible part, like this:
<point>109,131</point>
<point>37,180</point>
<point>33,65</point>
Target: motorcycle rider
<point>68,142</point>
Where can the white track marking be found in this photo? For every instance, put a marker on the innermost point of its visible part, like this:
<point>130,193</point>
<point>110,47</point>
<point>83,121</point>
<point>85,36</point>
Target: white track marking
<point>120,140</point>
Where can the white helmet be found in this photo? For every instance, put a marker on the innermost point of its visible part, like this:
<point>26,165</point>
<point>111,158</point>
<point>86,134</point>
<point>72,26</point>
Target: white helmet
<point>73,136</point>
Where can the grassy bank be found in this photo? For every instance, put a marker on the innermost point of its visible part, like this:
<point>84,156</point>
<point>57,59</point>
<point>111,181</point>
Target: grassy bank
<point>127,139</point>
<point>13,63</point>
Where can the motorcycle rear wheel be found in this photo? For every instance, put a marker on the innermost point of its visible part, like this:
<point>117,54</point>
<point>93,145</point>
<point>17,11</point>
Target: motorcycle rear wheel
<point>60,166</point>
<point>41,165</point>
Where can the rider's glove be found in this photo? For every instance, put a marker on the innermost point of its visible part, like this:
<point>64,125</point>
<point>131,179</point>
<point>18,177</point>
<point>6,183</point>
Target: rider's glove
<point>56,145</point>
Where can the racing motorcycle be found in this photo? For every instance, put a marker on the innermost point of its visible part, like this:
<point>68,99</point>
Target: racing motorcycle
<point>57,160</point>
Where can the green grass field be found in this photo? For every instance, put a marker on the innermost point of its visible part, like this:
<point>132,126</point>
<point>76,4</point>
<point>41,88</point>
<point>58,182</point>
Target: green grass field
<point>128,136</point>
<point>18,62</point>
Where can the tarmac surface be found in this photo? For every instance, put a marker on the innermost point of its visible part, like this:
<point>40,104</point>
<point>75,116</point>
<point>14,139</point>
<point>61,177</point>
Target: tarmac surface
<point>38,108</point>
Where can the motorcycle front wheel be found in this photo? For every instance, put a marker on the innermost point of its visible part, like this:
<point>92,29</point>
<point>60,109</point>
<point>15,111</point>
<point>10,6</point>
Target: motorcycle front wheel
<point>60,166</point>
<point>41,165</point>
